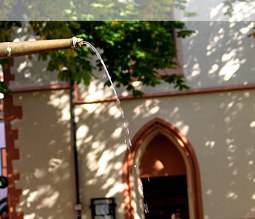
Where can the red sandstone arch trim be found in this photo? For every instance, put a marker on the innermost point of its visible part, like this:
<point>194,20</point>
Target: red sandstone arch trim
<point>161,126</point>
<point>11,112</point>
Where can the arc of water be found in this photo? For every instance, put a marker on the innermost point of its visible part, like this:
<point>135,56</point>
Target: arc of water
<point>127,132</point>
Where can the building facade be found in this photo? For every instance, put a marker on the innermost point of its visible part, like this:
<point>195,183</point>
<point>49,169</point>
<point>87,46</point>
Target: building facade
<point>192,152</point>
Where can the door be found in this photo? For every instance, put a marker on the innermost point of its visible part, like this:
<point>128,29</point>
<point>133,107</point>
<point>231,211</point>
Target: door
<point>163,175</point>
<point>166,197</point>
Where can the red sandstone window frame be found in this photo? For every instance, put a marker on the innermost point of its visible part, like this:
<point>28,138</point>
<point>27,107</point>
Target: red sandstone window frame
<point>178,59</point>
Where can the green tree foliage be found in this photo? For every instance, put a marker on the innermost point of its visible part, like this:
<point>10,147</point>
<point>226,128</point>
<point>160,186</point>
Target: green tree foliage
<point>84,10</point>
<point>132,50</point>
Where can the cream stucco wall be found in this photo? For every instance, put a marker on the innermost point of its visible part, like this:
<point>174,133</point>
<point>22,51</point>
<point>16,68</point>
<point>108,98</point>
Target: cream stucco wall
<point>46,161</point>
<point>219,54</point>
<point>219,126</point>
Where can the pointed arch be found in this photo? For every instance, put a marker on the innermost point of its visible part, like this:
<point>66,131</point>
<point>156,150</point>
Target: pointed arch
<point>141,138</point>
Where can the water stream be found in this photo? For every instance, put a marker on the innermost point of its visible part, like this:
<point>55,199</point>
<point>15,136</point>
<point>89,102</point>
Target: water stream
<point>125,124</point>
<point>127,138</point>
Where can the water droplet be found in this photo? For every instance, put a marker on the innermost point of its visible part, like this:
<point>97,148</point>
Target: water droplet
<point>146,209</point>
<point>128,142</point>
<point>141,185</point>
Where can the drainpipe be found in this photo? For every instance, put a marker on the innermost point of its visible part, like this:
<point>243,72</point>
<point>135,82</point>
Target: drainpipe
<point>11,49</point>
<point>78,206</point>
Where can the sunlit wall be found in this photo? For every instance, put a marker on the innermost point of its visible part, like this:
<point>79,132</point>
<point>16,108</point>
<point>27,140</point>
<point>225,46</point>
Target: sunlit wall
<point>220,125</point>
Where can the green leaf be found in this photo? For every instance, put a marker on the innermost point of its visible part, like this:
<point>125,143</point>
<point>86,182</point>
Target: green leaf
<point>4,89</point>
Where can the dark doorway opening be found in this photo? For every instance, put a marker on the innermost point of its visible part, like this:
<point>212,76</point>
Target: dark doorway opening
<point>166,197</point>
<point>164,178</point>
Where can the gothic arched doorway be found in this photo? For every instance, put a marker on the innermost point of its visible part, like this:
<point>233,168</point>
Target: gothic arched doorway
<point>161,171</point>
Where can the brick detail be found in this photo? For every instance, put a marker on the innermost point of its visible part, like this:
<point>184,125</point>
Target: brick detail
<point>11,112</point>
